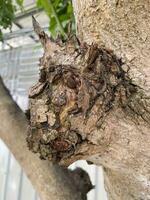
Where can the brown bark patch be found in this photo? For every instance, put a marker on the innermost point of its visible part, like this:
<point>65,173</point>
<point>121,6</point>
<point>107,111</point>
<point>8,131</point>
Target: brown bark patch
<point>76,91</point>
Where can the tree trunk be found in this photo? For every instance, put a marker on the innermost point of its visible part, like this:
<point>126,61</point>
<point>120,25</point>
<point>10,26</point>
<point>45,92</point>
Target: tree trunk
<point>123,26</point>
<point>93,102</point>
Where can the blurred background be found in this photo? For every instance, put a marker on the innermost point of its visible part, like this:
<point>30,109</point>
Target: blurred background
<point>20,51</point>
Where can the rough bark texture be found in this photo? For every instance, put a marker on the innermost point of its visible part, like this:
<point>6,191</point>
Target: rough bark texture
<point>84,88</point>
<point>94,103</point>
<point>124,27</point>
<point>50,181</point>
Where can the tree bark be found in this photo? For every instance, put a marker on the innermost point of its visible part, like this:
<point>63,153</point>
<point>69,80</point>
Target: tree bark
<point>93,102</point>
<point>123,26</point>
<point>50,181</point>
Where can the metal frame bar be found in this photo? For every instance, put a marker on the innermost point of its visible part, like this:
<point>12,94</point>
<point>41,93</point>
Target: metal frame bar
<point>28,13</point>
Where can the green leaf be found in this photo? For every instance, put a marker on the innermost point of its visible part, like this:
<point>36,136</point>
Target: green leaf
<point>39,4</point>
<point>70,9</point>
<point>20,3</point>
<point>56,3</point>
<point>7,10</point>
<point>1,35</point>
<point>45,5</point>
<point>53,27</point>
<point>60,13</point>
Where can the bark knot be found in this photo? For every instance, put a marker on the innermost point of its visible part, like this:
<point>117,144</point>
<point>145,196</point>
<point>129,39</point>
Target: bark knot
<point>77,89</point>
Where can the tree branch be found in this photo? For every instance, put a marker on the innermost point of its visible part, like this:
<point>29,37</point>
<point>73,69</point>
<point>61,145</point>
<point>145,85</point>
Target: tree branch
<point>49,180</point>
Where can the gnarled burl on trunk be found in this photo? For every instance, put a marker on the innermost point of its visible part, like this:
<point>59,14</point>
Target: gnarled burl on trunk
<point>104,116</point>
<point>79,85</point>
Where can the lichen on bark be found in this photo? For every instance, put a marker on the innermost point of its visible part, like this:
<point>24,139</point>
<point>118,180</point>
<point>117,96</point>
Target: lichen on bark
<point>79,84</point>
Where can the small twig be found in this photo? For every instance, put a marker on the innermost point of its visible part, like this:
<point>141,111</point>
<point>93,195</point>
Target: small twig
<point>39,31</point>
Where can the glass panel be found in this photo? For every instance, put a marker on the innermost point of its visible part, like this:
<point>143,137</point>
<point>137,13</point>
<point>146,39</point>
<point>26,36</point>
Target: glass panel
<point>13,180</point>
<point>28,192</point>
<point>4,162</point>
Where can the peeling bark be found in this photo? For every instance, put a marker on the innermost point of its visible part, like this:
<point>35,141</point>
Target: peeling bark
<point>50,181</point>
<point>95,99</point>
<point>89,86</point>
<point>124,112</point>
<point>92,100</point>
